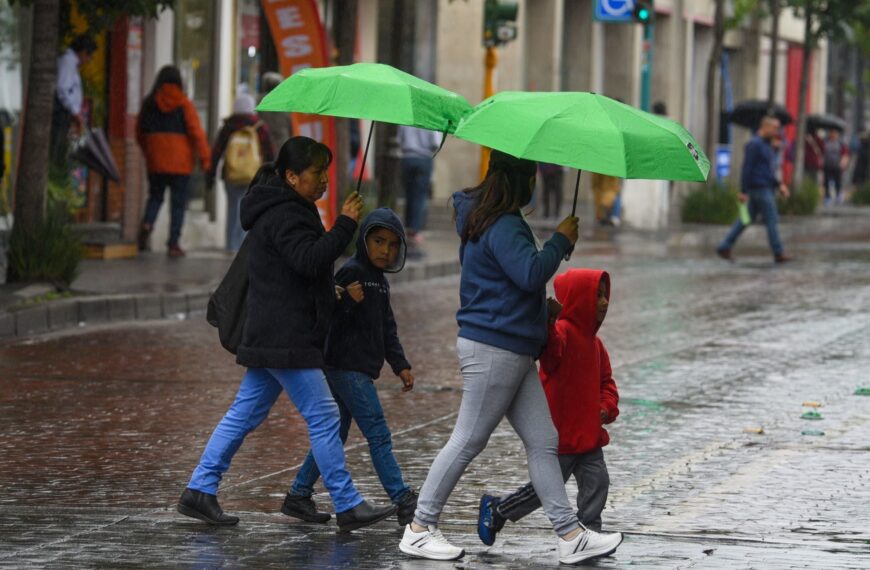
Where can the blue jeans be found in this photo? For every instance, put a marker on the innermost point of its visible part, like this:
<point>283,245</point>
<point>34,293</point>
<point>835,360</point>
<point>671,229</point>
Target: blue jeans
<point>761,202</point>
<point>416,178</point>
<point>235,233</point>
<point>178,185</point>
<point>260,388</point>
<point>357,399</point>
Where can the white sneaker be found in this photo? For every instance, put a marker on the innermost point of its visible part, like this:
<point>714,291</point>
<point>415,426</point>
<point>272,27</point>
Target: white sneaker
<point>588,544</point>
<point>429,544</point>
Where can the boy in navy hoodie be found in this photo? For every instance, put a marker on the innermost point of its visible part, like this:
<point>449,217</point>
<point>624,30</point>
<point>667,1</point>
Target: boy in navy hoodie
<point>362,335</point>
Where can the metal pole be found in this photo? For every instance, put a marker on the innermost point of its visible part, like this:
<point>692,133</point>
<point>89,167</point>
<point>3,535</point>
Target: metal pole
<point>490,61</point>
<point>646,66</point>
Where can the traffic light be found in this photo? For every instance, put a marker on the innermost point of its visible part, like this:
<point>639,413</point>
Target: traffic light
<point>643,11</point>
<point>499,22</point>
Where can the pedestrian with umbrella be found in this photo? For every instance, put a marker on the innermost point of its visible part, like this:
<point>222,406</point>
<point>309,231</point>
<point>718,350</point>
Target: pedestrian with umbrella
<point>290,301</point>
<point>502,329</point>
<point>503,313</point>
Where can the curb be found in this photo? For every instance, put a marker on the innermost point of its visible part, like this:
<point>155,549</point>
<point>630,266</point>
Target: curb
<point>65,314</point>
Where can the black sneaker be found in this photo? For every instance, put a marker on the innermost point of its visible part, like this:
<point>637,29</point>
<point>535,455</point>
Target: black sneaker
<point>303,508</point>
<point>407,505</point>
<point>204,507</point>
<point>362,515</point>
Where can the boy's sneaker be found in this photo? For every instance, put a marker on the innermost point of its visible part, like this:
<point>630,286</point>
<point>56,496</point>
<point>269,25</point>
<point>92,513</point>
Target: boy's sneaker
<point>489,521</point>
<point>303,508</point>
<point>407,505</point>
<point>429,544</point>
<point>588,544</point>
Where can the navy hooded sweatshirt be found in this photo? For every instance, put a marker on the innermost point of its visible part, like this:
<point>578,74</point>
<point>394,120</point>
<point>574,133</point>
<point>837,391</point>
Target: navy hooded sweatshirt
<point>503,286</point>
<point>363,334</point>
<point>291,293</point>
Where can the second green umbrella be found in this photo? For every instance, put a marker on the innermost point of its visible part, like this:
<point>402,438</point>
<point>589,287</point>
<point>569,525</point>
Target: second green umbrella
<point>371,91</point>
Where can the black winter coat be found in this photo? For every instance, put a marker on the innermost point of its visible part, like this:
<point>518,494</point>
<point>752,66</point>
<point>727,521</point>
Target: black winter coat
<point>364,334</point>
<point>291,292</point>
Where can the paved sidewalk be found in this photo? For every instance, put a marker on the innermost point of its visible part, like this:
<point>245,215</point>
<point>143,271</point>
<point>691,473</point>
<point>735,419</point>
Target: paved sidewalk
<point>153,286</point>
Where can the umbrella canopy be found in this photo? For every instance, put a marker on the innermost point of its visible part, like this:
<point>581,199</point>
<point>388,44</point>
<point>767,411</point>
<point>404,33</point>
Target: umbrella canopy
<point>372,91</point>
<point>749,113</point>
<point>815,122</point>
<point>586,131</point>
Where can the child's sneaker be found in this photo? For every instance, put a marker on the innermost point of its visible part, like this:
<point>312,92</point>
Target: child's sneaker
<point>429,544</point>
<point>489,521</point>
<point>588,544</point>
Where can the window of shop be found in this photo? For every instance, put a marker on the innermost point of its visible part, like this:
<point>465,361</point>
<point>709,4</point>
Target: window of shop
<point>195,23</point>
<point>256,52</point>
<point>10,99</point>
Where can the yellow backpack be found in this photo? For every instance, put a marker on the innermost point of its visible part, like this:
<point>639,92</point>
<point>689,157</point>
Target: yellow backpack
<point>243,155</point>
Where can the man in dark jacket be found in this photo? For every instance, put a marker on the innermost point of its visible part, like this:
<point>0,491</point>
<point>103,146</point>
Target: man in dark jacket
<point>758,185</point>
<point>362,336</point>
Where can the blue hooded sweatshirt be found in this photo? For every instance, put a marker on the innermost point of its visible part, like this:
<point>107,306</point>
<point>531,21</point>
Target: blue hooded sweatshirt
<point>363,334</point>
<point>503,287</point>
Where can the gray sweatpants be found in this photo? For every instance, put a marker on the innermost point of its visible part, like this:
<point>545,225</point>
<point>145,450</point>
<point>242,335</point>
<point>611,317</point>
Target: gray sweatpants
<point>593,482</point>
<point>499,383</point>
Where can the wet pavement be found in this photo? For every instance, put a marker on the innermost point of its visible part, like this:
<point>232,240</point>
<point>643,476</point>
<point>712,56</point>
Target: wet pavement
<point>99,430</point>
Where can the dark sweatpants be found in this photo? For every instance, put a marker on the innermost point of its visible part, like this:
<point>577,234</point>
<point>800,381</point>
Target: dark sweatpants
<point>593,482</point>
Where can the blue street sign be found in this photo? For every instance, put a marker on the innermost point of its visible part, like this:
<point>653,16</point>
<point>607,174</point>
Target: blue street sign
<point>614,11</point>
<point>723,161</point>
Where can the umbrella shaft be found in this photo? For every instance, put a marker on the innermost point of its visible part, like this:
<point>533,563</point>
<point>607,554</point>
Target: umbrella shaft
<point>365,156</point>
<point>576,191</point>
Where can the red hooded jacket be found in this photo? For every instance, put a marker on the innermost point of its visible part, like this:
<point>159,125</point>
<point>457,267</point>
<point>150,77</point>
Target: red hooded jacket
<point>170,134</point>
<point>575,366</point>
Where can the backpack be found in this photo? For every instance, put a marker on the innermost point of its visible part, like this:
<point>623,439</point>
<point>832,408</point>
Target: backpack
<point>227,306</point>
<point>243,156</point>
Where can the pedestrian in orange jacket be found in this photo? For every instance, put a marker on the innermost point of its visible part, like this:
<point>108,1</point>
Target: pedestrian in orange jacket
<point>171,136</point>
<point>582,395</point>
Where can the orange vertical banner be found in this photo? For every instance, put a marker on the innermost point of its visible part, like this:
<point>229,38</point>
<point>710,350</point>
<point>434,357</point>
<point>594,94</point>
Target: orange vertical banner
<point>300,42</point>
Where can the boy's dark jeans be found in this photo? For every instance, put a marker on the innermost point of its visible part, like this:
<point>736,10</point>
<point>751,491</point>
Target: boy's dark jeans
<point>593,482</point>
<point>357,399</point>
<point>178,185</point>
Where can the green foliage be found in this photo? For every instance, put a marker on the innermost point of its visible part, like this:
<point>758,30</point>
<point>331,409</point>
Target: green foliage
<point>49,252</point>
<point>861,196</point>
<point>710,206</point>
<point>802,201</point>
<point>741,9</point>
<point>832,19</point>
<point>101,15</point>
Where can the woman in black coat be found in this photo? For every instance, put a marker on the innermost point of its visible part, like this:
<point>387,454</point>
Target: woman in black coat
<point>291,295</point>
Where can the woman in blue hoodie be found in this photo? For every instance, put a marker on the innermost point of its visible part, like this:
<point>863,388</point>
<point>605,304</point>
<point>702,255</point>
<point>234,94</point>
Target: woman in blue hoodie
<point>502,330</point>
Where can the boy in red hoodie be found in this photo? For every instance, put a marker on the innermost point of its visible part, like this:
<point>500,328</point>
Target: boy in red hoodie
<point>576,373</point>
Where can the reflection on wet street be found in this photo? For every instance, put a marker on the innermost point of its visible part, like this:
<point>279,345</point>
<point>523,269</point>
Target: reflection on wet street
<point>711,464</point>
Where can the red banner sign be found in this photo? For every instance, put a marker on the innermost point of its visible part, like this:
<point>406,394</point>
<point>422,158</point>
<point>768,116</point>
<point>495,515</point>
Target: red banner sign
<point>300,41</point>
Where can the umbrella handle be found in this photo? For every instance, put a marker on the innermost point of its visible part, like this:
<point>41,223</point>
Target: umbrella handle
<point>365,156</point>
<point>443,138</point>
<point>574,211</point>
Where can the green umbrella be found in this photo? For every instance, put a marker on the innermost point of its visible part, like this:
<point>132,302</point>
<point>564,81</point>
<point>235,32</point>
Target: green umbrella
<point>372,91</point>
<point>586,131</point>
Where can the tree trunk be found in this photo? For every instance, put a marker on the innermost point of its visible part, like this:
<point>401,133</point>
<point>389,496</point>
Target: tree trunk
<point>809,46</point>
<point>32,180</point>
<point>775,10</point>
<point>713,81</point>
<point>344,31</point>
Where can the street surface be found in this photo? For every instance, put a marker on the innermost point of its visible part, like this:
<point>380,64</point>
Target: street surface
<point>100,429</point>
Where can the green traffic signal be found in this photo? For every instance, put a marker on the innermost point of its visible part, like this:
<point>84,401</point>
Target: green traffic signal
<point>643,11</point>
